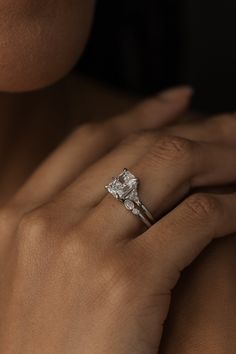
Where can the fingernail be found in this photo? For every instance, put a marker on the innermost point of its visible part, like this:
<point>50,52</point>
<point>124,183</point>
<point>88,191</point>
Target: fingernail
<point>177,93</point>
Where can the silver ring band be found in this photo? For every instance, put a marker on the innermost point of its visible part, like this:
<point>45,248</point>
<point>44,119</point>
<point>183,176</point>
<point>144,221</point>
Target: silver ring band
<point>125,189</point>
<point>139,211</point>
<point>147,212</point>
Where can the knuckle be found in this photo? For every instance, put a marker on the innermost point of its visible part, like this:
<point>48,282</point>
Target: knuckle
<point>39,234</point>
<point>171,148</point>
<point>35,243</point>
<point>139,139</point>
<point>33,227</point>
<point>203,206</point>
<point>8,217</point>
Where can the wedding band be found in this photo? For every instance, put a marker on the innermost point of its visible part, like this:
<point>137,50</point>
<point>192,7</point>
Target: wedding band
<point>125,189</point>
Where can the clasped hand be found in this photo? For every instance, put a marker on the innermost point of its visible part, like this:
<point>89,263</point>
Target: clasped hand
<point>80,274</point>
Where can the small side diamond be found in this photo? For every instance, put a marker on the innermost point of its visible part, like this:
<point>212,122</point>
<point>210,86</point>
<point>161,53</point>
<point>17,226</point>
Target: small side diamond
<point>133,195</point>
<point>129,204</point>
<point>135,211</point>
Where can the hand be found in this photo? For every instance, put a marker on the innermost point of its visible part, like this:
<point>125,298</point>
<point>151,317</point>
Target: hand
<point>80,275</point>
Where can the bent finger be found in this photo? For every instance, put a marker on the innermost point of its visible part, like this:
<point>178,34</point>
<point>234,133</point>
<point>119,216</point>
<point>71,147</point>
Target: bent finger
<point>178,238</point>
<point>90,142</point>
<point>167,173</point>
<point>214,129</point>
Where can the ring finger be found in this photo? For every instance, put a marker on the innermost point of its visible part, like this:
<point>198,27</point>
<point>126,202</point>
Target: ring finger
<point>167,173</point>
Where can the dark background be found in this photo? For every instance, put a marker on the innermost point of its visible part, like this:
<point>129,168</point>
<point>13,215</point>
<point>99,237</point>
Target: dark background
<point>143,46</point>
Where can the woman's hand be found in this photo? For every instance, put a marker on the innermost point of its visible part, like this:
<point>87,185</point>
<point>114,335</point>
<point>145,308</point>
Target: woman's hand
<point>80,275</point>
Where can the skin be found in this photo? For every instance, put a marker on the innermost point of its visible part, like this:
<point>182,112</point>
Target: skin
<point>31,251</point>
<point>51,299</point>
<point>202,315</point>
<point>47,37</point>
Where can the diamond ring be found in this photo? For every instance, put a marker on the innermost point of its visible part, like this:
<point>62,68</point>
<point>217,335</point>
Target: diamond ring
<point>125,189</point>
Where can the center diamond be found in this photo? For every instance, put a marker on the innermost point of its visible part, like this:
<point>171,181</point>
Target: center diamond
<point>123,185</point>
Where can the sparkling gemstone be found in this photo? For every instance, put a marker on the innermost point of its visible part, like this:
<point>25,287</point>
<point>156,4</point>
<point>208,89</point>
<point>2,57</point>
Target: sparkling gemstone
<point>129,204</point>
<point>135,211</point>
<point>123,185</point>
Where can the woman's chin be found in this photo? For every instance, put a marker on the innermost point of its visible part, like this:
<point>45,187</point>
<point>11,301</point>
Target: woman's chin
<point>28,75</point>
<point>38,49</point>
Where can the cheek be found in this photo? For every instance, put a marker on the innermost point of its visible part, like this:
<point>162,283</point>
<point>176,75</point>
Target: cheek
<point>40,41</point>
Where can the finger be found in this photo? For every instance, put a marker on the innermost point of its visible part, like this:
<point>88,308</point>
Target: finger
<point>167,173</point>
<point>215,129</point>
<point>168,185</point>
<point>131,150</point>
<point>220,128</point>
<point>158,111</point>
<point>178,238</point>
<point>90,142</point>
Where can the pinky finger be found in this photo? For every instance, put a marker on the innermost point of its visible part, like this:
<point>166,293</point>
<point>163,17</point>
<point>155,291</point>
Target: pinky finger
<point>178,238</point>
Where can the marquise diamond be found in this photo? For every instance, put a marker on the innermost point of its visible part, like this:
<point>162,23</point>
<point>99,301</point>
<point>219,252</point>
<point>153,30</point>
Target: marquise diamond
<point>135,211</point>
<point>129,204</point>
